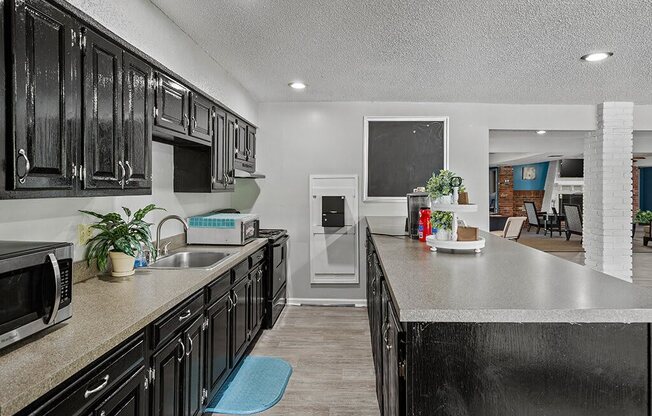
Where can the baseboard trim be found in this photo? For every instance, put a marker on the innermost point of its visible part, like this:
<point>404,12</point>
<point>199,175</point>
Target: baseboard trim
<point>358,303</point>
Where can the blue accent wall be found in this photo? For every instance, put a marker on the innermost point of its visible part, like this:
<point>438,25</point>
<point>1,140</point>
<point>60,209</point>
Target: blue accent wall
<point>645,188</point>
<point>537,184</point>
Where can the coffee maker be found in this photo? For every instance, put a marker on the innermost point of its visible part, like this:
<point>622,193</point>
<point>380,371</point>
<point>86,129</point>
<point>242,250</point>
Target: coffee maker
<point>415,201</point>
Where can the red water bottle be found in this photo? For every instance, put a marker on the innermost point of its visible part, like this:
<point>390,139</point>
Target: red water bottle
<point>425,228</point>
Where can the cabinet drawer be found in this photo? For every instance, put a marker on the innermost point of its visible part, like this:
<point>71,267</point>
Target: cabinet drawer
<point>257,257</point>
<point>96,381</point>
<point>167,326</point>
<point>217,288</point>
<point>240,271</point>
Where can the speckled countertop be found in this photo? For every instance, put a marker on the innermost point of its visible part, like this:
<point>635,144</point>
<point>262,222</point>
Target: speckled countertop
<point>106,311</point>
<point>508,282</point>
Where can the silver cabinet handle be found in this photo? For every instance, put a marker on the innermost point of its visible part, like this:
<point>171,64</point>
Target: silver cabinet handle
<point>57,288</point>
<point>189,345</point>
<point>260,275</point>
<point>228,309</point>
<point>386,325</point>
<point>185,316</point>
<point>185,121</point>
<point>123,172</point>
<point>105,381</point>
<point>183,350</point>
<point>236,299</point>
<point>131,172</point>
<point>21,153</point>
<point>74,171</point>
<point>73,35</point>
<point>194,122</point>
<point>82,172</point>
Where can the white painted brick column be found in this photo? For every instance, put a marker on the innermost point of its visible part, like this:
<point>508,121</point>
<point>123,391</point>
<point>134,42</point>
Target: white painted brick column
<point>608,191</point>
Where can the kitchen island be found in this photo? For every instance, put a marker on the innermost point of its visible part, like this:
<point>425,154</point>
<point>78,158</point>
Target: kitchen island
<point>510,331</point>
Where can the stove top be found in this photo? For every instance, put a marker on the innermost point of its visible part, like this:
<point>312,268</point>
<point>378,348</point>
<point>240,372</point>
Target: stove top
<point>271,233</point>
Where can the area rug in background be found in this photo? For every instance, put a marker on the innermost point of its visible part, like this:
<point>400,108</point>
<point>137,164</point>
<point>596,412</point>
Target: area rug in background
<point>555,244</point>
<point>256,385</point>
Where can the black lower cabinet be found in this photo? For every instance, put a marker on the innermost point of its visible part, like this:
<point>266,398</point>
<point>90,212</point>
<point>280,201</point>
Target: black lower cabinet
<point>239,320</point>
<point>218,342</point>
<point>392,351</point>
<point>130,399</point>
<point>193,369</point>
<point>166,389</point>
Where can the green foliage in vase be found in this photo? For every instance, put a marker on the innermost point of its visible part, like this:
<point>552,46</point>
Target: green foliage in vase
<point>440,184</point>
<point>441,220</point>
<point>117,234</point>
<point>643,217</point>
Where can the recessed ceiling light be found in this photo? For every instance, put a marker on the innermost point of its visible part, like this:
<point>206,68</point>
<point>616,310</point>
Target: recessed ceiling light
<point>541,132</point>
<point>297,85</point>
<point>597,56</point>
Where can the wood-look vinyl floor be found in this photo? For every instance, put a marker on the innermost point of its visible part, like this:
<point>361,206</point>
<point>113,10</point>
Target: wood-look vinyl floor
<point>329,349</point>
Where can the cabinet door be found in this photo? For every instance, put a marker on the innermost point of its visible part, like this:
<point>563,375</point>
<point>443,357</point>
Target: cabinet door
<point>239,321</point>
<point>241,141</point>
<point>167,387</point>
<point>218,341</point>
<point>47,102</point>
<point>259,297</point>
<point>379,299</point>
<point>251,304</point>
<point>201,117</point>
<point>103,144</point>
<point>193,385</point>
<point>391,382</point>
<point>218,152</point>
<point>251,145</point>
<point>137,105</point>
<point>171,105</point>
<point>128,399</point>
<point>229,150</point>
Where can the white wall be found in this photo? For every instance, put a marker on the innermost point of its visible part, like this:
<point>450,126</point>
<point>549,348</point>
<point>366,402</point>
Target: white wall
<point>145,26</point>
<point>299,139</point>
<point>142,24</point>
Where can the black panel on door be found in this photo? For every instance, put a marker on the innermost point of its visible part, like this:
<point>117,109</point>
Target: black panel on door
<point>171,105</point>
<point>201,117</point>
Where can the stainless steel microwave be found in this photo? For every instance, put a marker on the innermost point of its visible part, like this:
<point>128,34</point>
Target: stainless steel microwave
<point>35,287</point>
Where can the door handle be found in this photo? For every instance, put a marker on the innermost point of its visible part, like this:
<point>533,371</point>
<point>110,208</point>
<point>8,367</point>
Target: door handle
<point>228,309</point>
<point>123,172</point>
<point>57,288</point>
<point>236,299</point>
<point>105,381</point>
<point>183,350</point>
<point>21,153</point>
<point>131,172</point>
<point>185,316</point>
<point>189,345</point>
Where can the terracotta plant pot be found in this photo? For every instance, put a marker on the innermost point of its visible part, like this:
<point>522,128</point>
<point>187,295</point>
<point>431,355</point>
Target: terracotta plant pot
<point>121,264</point>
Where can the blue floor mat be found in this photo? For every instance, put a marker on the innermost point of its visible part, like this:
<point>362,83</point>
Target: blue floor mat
<point>256,385</point>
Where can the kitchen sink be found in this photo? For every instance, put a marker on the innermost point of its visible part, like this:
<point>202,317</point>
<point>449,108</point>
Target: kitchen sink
<point>190,260</point>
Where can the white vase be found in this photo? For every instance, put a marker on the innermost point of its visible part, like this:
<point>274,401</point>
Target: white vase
<point>444,199</point>
<point>121,264</point>
<point>443,235</point>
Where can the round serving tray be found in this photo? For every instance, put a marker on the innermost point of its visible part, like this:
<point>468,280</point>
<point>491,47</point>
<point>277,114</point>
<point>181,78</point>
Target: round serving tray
<point>435,244</point>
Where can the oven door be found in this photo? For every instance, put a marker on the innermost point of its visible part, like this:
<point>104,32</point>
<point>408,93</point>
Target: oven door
<point>32,293</point>
<point>279,264</point>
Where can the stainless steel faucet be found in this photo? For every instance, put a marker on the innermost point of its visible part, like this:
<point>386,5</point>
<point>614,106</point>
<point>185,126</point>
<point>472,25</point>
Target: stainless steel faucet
<point>158,233</point>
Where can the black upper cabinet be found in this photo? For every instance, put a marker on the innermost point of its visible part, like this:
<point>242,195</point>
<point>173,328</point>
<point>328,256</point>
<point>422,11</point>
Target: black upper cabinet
<point>251,147</point>
<point>46,98</point>
<point>137,104</point>
<point>103,144</point>
<point>229,151</point>
<point>218,156</point>
<point>201,118</point>
<point>172,106</point>
<point>241,141</point>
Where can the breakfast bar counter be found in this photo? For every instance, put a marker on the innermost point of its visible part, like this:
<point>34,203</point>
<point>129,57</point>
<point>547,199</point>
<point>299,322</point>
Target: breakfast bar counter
<point>511,331</point>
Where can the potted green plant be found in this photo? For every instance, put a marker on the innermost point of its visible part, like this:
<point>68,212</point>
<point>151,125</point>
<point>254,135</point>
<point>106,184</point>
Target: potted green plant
<point>439,187</point>
<point>119,239</point>
<point>443,223</point>
<point>643,217</point>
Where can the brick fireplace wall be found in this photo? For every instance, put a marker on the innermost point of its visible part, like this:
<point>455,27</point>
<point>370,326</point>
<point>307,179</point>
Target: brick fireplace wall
<point>521,196</point>
<point>506,191</point>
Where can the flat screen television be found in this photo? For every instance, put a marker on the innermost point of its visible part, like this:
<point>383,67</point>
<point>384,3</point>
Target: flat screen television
<point>571,168</point>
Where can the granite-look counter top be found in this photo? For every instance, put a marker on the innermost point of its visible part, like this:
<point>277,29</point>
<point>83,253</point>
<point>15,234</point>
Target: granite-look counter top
<point>106,312</point>
<point>508,282</point>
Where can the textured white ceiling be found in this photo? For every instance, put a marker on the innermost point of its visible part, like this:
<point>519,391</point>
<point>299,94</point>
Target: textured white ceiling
<point>494,51</point>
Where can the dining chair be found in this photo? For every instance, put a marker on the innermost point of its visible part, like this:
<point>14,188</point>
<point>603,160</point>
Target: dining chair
<point>573,220</point>
<point>533,217</point>
<point>513,228</point>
